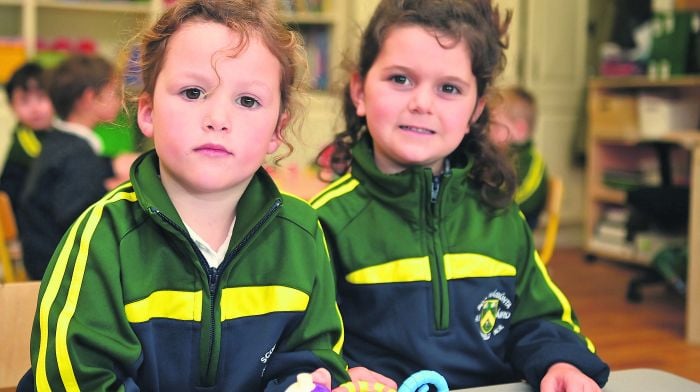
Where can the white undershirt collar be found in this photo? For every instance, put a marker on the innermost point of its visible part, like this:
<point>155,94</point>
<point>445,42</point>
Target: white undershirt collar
<point>82,132</point>
<point>213,257</point>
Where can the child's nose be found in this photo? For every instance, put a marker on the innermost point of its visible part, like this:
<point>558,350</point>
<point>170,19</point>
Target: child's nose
<point>217,118</point>
<point>421,101</point>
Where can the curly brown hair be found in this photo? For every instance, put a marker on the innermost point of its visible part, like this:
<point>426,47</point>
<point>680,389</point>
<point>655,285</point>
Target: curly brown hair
<point>245,17</point>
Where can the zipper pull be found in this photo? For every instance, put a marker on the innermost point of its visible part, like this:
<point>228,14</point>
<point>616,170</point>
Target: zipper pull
<point>435,189</point>
<point>213,280</point>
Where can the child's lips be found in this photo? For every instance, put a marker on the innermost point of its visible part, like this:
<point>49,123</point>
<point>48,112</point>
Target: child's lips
<point>213,149</point>
<point>416,129</point>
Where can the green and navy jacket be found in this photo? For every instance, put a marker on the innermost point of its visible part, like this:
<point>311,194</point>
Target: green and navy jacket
<point>129,303</point>
<point>430,279</point>
<point>531,194</point>
<point>24,148</point>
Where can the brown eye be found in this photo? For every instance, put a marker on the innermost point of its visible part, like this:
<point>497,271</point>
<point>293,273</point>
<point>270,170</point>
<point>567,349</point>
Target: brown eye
<point>248,102</point>
<point>193,93</point>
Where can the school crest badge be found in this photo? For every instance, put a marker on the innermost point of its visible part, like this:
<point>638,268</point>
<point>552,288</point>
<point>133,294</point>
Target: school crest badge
<point>495,307</point>
<point>489,310</point>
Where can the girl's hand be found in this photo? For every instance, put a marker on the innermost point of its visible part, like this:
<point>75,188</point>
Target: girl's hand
<point>564,377</point>
<point>322,376</point>
<point>365,380</point>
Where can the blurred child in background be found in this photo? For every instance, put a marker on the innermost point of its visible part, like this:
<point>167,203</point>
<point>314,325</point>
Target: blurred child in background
<point>69,174</point>
<point>30,102</point>
<point>513,119</point>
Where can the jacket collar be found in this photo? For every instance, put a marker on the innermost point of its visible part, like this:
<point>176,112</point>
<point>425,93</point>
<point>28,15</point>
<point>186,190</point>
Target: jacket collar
<point>411,188</point>
<point>258,198</point>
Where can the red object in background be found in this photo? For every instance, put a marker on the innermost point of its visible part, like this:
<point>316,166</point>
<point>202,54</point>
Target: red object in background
<point>620,68</point>
<point>86,46</point>
<point>62,44</point>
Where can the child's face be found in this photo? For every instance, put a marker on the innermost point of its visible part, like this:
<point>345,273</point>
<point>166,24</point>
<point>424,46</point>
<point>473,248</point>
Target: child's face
<point>32,107</point>
<point>419,99</point>
<point>107,102</point>
<point>505,127</point>
<point>213,117</point>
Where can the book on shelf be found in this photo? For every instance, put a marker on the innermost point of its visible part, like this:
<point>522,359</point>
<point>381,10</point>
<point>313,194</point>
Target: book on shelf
<point>611,232</point>
<point>316,42</point>
<point>302,5</point>
<point>630,179</point>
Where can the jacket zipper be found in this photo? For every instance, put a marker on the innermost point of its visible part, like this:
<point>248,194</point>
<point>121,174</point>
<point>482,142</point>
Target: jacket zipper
<point>213,275</point>
<point>441,300</point>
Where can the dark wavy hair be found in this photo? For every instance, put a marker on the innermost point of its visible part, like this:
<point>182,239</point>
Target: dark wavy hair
<point>75,75</point>
<point>479,25</point>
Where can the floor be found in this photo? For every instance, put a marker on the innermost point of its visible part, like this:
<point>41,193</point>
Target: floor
<point>648,334</point>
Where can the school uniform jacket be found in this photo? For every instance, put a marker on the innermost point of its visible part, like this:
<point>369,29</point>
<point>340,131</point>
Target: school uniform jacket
<point>428,279</point>
<point>531,194</point>
<point>129,303</point>
<point>66,178</point>
<point>24,148</point>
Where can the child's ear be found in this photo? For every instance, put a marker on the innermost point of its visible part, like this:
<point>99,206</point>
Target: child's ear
<point>145,115</point>
<point>85,102</point>
<point>357,94</point>
<point>276,138</point>
<point>478,110</point>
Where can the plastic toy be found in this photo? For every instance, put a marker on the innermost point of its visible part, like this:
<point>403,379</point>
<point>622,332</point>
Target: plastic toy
<point>419,381</point>
<point>305,383</point>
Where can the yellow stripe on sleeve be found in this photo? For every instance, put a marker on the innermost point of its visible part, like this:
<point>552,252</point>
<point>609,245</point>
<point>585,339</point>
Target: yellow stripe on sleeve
<point>474,265</point>
<point>237,302</point>
<point>532,179</point>
<point>54,283</point>
<point>29,142</point>
<point>567,313</point>
<point>177,305</point>
<point>331,194</point>
<point>404,270</point>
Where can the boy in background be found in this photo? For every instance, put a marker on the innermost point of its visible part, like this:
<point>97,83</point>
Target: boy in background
<point>30,103</point>
<point>70,174</point>
<point>512,126</point>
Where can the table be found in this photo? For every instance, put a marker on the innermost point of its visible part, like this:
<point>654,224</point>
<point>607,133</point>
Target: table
<point>633,380</point>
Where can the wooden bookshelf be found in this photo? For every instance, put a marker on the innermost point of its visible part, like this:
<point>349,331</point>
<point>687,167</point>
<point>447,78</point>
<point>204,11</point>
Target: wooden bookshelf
<point>608,140</point>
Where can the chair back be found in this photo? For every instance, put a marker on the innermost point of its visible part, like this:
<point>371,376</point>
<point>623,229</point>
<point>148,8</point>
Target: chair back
<point>10,249</point>
<point>555,194</point>
<point>17,306</point>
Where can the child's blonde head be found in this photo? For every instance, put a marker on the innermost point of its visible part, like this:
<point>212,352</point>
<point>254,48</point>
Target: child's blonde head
<point>244,17</point>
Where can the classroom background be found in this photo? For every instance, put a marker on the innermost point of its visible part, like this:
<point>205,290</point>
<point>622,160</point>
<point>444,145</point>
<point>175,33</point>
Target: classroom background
<point>618,90</point>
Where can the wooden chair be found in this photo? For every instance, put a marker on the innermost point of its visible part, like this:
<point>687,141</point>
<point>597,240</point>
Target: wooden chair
<point>10,249</point>
<point>17,307</point>
<point>555,194</point>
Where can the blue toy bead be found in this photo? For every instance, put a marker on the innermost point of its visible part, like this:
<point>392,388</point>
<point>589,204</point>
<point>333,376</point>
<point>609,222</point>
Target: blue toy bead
<point>420,381</point>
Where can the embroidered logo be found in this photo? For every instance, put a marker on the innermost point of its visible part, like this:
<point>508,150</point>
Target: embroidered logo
<point>496,306</point>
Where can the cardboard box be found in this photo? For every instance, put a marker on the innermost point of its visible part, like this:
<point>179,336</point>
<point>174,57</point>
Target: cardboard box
<point>612,114</point>
<point>660,113</point>
<point>693,5</point>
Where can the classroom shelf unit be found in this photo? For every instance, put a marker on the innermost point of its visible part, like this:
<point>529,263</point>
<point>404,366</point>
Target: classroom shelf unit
<point>622,154</point>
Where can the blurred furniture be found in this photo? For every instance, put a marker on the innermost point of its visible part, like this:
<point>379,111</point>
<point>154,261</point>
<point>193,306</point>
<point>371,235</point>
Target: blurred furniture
<point>17,306</point>
<point>620,139</point>
<point>555,194</point>
<point>10,249</point>
<point>631,380</point>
